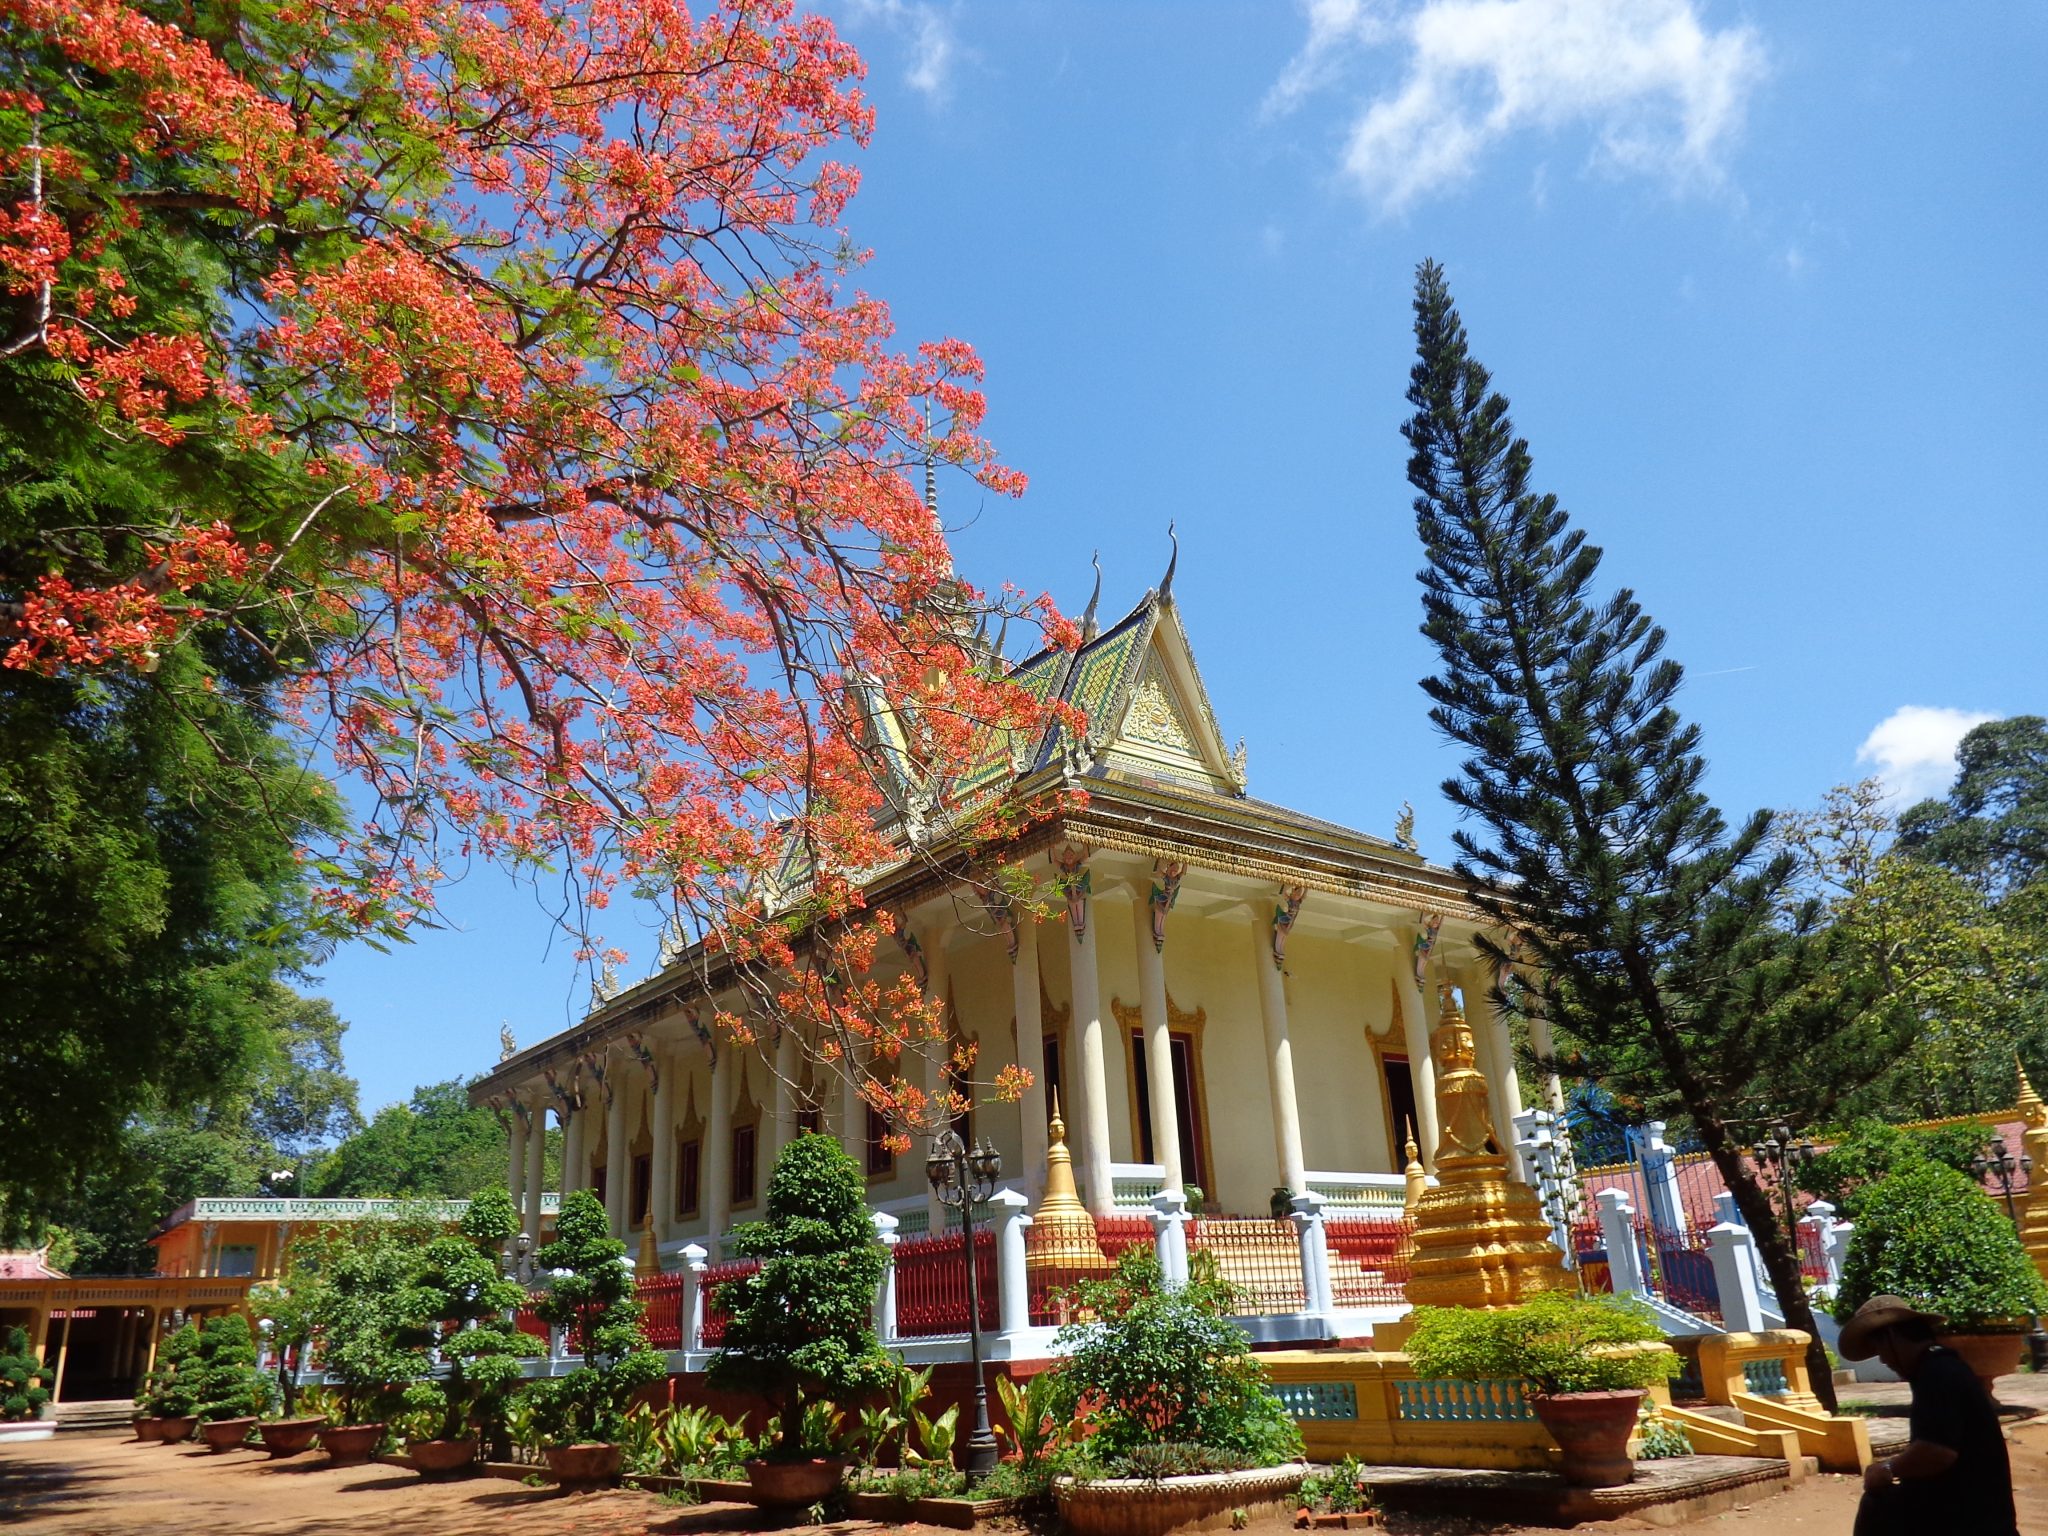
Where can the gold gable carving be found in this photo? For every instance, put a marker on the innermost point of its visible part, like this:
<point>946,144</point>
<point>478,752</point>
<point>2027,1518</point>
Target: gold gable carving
<point>1152,717</point>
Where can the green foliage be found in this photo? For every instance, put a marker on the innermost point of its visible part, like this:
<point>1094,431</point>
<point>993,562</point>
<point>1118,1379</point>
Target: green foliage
<point>592,1296</point>
<point>1658,1438</point>
<point>225,1381</point>
<point>458,1302</point>
<point>168,1390</point>
<point>803,1323</point>
<point>24,1382</point>
<point>1170,1458</point>
<point>695,1442</point>
<point>1992,828</point>
<point>1341,1490</point>
<point>1870,1150</point>
<point>935,1437</point>
<point>929,1480</point>
<point>356,1280</point>
<point>1561,1342</point>
<point>1928,1234</point>
<point>437,1144</point>
<point>1167,1365</point>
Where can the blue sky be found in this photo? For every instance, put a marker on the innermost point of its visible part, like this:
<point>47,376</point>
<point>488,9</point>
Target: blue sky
<point>1763,283</point>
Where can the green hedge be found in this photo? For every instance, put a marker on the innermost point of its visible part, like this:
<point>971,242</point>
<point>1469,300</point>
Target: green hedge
<point>1927,1233</point>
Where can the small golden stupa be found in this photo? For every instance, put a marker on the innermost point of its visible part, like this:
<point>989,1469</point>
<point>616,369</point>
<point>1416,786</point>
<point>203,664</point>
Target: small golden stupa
<point>1062,1231</point>
<point>649,1262</point>
<point>2034,1142</point>
<point>1418,1179</point>
<point>1481,1239</point>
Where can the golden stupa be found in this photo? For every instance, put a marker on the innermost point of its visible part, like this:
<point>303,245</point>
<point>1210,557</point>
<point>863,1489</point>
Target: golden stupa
<point>2034,1142</point>
<point>650,1252</point>
<point>1481,1239</point>
<point>1062,1231</point>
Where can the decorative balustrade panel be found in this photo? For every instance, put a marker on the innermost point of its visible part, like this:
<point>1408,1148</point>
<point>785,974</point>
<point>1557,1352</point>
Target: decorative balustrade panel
<point>1261,1259</point>
<point>1681,1269</point>
<point>931,1285</point>
<point>662,1298</point>
<point>1368,1260</point>
<point>1813,1258</point>
<point>1766,1378</point>
<point>1318,1399</point>
<point>1051,1283</point>
<point>1437,1401</point>
<point>715,1314</point>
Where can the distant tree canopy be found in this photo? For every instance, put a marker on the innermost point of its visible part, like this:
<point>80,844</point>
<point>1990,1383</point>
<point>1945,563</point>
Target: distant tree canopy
<point>435,1144</point>
<point>1992,827</point>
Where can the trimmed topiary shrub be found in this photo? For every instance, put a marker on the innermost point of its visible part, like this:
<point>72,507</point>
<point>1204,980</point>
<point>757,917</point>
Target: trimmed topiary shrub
<point>803,1323</point>
<point>24,1380</point>
<point>592,1296</point>
<point>1165,1368</point>
<point>363,1270</point>
<point>225,1381</point>
<point>167,1391</point>
<point>459,1303</point>
<point>1928,1234</point>
<point>1559,1342</point>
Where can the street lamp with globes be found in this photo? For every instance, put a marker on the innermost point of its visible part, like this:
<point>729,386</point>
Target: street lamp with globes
<point>963,1178</point>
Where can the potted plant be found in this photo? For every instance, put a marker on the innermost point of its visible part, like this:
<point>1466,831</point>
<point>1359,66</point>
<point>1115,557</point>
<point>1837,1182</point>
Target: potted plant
<point>229,1392</point>
<point>24,1390</point>
<point>1928,1234</point>
<point>1585,1360</point>
<point>1339,1498</point>
<point>459,1305</point>
<point>591,1294</point>
<point>803,1323</point>
<point>288,1309</point>
<point>167,1398</point>
<point>1172,1421</point>
<point>364,1269</point>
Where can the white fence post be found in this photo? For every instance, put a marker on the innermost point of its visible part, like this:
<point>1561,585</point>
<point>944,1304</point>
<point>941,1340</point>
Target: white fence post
<point>1733,1251</point>
<point>885,1295</point>
<point>1012,1215</point>
<point>1835,1243</point>
<point>1618,1232</point>
<point>1660,1180</point>
<point>1315,1253</point>
<point>694,1265</point>
<point>1536,1133</point>
<point>1170,1236</point>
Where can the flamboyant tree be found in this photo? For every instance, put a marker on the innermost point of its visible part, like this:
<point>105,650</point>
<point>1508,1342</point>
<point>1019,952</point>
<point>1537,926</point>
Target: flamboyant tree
<point>542,444</point>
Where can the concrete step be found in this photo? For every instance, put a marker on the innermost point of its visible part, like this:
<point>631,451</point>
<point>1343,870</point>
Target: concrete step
<point>111,1413</point>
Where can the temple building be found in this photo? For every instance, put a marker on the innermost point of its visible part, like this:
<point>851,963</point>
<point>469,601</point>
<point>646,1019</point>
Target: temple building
<point>1227,996</point>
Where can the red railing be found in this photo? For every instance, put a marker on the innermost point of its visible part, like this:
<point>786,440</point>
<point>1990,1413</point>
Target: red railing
<point>1813,1258</point>
<point>715,1315</point>
<point>1682,1269</point>
<point>526,1320</point>
<point>662,1298</point>
<point>1368,1260</point>
<point>1052,1285</point>
<point>1261,1258</point>
<point>931,1284</point>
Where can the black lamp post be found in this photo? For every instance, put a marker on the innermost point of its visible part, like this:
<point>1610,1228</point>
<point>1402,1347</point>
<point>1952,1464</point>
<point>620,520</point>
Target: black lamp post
<point>1996,1165</point>
<point>962,1179</point>
<point>1783,1153</point>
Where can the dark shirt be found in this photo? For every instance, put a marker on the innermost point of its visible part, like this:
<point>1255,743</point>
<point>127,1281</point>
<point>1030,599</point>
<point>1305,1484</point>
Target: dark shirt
<point>1950,1407</point>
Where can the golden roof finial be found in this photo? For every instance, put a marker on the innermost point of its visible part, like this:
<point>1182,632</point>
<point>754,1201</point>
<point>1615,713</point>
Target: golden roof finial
<point>1414,1152</point>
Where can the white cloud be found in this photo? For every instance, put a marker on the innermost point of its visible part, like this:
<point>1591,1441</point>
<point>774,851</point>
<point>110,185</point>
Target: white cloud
<point>1663,94</point>
<point>927,31</point>
<point>1914,749</point>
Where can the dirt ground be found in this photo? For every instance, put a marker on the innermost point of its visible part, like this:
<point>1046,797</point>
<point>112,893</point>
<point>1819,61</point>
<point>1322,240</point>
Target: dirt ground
<point>108,1485</point>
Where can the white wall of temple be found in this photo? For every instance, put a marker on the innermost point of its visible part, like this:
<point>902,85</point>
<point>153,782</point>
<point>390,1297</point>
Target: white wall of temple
<point>1339,993</point>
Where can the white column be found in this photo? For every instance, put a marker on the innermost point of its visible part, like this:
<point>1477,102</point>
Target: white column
<point>788,1067</point>
<point>575,1166</point>
<point>661,1194</point>
<point>1660,1180</point>
<point>885,1294</point>
<point>1170,1236</point>
<point>693,1256</point>
<point>536,1169</point>
<point>1416,1022</point>
<point>1279,1056</point>
<point>1618,1233</point>
<point>1010,1213</point>
<point>1307,1216</point>
<point>1158,1050</point>
<point>1024,989</point>
<point>515,1151</point>
<point>1545,1047</point>
<point>935,1054</point>
<point>1732,1251</point>
<point>618,1174</point>
<point>718,1155</point>
<point>1091,1081</point>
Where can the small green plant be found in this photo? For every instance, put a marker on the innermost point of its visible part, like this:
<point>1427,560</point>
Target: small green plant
<point>1928,1234</point>
<point>695,1442</point>
<point>879,1425</point>
<point>24,1382</point>
<point>1557,1343</point>
<point>1170,1458</point>
<point>225,1381</point>
<point>1657,1438</point>
<point>168,1390</point>
<point>1032,1426</point>
<point>592,1296</point>
<point>919,1482</point>
<point>1340,1491</point>
<point>802,1324</point>
<point>935,1437</point>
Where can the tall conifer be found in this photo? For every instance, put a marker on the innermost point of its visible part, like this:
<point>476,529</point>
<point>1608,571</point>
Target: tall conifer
<point>1650,935</point>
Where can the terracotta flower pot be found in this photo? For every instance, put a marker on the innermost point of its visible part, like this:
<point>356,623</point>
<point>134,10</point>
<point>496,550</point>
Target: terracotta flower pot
<point>794,1484</point>
<point>226,1434</point>
<point>1990,1355</point>
<point>1592,1429</point>
<point>176,1431</point>
<point>438,1458</point>
<point>290,1437</point>
<point>584,1466</point>
<point>148,1429</point>
<point>350,1445</point>
<point>1158,1506</point>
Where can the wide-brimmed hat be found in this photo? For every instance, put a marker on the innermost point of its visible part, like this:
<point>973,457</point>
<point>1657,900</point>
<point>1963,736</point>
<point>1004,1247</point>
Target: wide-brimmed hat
<point>1871,1319</point>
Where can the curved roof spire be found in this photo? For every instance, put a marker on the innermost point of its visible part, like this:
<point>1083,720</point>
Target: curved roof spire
<point>1166,582</point>
<point>1089,627</point>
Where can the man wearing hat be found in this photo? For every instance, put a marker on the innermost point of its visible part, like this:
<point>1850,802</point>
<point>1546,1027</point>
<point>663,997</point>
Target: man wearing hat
<point>1953,1475</point>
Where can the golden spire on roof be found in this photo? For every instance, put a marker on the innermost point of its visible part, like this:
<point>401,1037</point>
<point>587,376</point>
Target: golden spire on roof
<point>2031,1110</point>
<point>1062,1231</point>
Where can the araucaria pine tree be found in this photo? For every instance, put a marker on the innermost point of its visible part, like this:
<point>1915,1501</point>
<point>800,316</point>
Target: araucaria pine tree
<point>1652,937</point>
